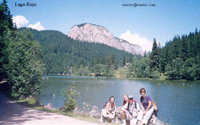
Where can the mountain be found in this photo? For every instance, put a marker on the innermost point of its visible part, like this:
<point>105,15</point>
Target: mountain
<point>61,53</point>
<point>98,34</point>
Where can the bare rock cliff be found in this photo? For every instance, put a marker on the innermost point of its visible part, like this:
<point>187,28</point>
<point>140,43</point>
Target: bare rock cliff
<point>98,34</point>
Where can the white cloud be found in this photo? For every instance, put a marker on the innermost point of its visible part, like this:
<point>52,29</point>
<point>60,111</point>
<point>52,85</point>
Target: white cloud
<point>137,39</point>
<point>36,26</point>
<point>20,21</point>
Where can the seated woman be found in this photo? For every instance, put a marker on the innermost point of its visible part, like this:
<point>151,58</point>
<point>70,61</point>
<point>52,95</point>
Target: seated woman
<point>125,96</point>
<point>146,106</point>
<point>123,113</point>
<point>109,112</point>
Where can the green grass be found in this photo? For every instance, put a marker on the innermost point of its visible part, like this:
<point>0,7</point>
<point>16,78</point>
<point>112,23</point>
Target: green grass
<point>29,102</point>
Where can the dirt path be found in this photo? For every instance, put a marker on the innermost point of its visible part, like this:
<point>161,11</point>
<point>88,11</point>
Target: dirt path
<point>12,113</point>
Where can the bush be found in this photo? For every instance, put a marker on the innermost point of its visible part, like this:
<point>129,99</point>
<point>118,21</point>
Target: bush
<point>122,73</point>
<point>71,96</point>
<point>155,74</point>
<point>100,70</point>
<point>140,68</point>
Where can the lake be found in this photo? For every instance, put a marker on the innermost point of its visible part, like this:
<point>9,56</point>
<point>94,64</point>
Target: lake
<point>178,102</point>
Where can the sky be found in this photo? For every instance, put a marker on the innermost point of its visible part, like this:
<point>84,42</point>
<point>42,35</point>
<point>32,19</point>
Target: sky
<point>138,25</point>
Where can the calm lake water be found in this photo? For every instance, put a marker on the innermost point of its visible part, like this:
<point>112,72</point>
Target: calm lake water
<point>178,102</point>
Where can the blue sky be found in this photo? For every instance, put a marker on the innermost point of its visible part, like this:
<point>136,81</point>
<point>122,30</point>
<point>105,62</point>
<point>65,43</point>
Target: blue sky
<point>166,19</point>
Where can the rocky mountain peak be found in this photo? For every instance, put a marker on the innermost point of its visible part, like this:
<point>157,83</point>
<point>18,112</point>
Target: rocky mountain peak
<point>98,34</point>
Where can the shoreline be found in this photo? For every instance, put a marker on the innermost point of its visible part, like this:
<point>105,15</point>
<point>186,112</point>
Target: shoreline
<point>150,79</point>
<point>31,114</point>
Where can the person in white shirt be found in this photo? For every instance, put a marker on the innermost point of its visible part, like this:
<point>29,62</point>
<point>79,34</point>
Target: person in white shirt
<point>132,109</point>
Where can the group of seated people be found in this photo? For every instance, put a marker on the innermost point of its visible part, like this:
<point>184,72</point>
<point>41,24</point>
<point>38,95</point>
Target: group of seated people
<point>130,109</point>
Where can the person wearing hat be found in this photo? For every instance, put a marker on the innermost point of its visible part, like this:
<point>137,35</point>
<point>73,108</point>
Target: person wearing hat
<point>132,109</point>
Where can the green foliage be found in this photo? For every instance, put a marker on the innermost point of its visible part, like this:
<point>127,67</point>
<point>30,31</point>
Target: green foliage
<point>183,70</point>
<point>124,61</point>
<point>122,73</point>
<point>24,69</point>
<point>5,25</point>
<point>191,70</point>
<point>100,70</point>
<point>109,73</point>
<point>83,71</point>
<point>180,57</point>
<point>155,74</point>
<point>140,68</point>
<point>174,71</point>
<point>20,57</point>
<point>71,96</point>
<point>154,57</point>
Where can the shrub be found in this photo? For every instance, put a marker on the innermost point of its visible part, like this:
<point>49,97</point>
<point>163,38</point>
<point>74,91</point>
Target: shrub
<point>71,96</point>
<point>155,74</point>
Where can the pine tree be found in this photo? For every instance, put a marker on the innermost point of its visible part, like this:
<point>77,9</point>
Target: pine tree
<point>159,56</point>
<point>108,62</point>
<point>113,58</point>
<point>163,60</point>
<point>183,48</point>
<point>130,58</point>
<point>124,61</point>
<point>92,62</point>
<point>115,64</point>
<point>5,24</point>
<point>108,66</point>
<point>175,49</point>
<point>154,65</point>
<point>145,53</point>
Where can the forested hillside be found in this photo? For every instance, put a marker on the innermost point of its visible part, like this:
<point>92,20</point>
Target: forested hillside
<point>178,59</point>
<point>63,55</point>
<point>181,57</point>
